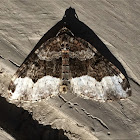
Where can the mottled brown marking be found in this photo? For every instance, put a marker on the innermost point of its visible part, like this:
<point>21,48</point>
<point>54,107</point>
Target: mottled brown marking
<point>36,69</point>
<point>78,68</point>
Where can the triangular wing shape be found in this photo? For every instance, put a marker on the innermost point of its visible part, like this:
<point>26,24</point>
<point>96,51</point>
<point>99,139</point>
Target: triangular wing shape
<point>68,63</point>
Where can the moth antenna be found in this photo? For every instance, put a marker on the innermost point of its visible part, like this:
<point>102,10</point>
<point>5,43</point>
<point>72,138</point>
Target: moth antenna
<point>66,101</point>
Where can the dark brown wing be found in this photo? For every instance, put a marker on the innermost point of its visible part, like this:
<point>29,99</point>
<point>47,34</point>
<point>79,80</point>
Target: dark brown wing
<point>39,75</point>
<point>93,76</point>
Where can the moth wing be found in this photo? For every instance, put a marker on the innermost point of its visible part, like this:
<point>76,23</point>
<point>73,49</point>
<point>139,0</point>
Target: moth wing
<point>95,77</point>
<point>39,75</point>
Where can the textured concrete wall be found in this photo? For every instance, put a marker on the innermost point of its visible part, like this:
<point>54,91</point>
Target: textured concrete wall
<point>116,23</point>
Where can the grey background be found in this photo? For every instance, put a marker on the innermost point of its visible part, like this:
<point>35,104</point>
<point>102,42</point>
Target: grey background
<point>116,23</point>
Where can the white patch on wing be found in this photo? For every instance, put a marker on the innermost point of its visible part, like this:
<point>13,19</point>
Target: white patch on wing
<point>26,89</point>
<point>108,88</point>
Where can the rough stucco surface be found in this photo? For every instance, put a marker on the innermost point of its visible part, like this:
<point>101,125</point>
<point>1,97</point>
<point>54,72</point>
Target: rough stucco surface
<point>23,23</point>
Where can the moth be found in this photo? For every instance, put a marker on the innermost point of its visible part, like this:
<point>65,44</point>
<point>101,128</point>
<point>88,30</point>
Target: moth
<point>64,64</point>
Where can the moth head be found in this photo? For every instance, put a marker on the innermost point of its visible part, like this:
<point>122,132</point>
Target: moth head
<point>63,89</point>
